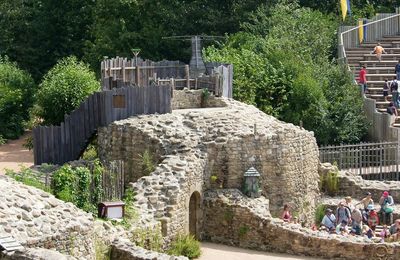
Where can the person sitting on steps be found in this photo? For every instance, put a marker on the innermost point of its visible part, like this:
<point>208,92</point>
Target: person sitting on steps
<point>386,202</point>
<point>365,202</point>
<point>286,216</point>
<point>328,221</point>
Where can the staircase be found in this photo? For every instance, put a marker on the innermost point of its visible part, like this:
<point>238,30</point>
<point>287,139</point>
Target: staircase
<point>377,71</point>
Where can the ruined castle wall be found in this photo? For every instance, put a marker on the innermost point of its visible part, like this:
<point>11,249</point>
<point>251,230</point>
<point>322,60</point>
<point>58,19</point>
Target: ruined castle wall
<point>235,220</point>
<point>184,99</point>
<point>37,219</point>
<point>193,145</point>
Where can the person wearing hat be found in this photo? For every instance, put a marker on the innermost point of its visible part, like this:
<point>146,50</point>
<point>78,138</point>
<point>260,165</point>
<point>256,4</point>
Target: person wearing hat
<point>386,202</point>
<point>329,220</point>
<point>396,226</point>
<point>343,214</point>
<point>373,219</point>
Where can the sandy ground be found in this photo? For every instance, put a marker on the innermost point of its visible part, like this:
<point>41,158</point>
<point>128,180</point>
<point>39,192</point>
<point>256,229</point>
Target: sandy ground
<point>210,251</point>
<point>13,155</point>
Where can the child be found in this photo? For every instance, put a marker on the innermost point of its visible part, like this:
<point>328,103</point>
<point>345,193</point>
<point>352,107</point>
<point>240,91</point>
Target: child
<point>384,233</point>
<point>386,90</point>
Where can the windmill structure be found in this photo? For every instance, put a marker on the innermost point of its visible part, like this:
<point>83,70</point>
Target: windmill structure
<point>196,64</point>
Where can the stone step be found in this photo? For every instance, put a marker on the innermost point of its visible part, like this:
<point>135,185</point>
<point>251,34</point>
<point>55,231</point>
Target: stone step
<point>380,77</point>
<point>376,63</point>
<point>375,70</point>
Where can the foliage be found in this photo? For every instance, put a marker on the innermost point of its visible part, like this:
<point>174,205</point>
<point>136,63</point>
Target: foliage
<point>2,140</point>
<point>28,177</point>
<point>28,143</point>
<point>243,230</point>
<point>79,185</point>
<point>319,213</point>
<point>330,182</point>
<point>36,34</point>
<point>185,245</point>
<point>291,75</point>
<point>63,88</point>
<point>148,238</point>
<point>228,215</point>
<point>90,153</point>
<point>16,97</point>
<point>131,216</point>
<point>213,178</point>
<point>102,250</point>
<point>147,163</point>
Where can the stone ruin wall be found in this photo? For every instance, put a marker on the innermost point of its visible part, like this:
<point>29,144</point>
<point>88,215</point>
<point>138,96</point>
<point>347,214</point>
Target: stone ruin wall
<point>248,225</point>
<point>193,145</point>
<point>184,99</point>
<point>38,220</point>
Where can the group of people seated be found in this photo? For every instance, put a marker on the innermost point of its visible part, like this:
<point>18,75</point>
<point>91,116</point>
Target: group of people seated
<point>351,220</point>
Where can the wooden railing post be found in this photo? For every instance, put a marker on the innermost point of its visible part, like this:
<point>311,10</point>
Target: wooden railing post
<point>137,72</point>
<point>187,74</point>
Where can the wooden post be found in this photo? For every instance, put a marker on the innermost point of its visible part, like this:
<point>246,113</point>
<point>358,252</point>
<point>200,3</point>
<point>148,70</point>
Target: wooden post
<point>137,75</point>
<point>187,76</point>
<point>195,84</point>
<point>380,161</point>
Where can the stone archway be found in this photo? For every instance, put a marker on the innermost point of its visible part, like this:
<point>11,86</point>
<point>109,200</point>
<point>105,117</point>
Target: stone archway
<point>194,213</point>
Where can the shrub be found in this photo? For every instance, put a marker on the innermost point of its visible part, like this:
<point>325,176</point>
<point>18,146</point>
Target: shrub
<point>147,163</point>
<point>28,177</point>
<point>185,245</point>
<point>319,213</point>
<point>16,97</point>
<point>330,182</point>
<point>80,185</point>
<point>63,88</point>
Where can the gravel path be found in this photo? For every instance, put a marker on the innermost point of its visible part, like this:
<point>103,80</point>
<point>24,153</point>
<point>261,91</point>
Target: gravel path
<point>212,251</point>
<point>13,155</point>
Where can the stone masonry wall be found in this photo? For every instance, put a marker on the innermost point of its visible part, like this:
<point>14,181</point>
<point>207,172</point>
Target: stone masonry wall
<point>232,219</point>
<point>193,145</point>
<point>356,187</point>
<point>184,99</point>
<point>124,249</point>
<point>37,219</point>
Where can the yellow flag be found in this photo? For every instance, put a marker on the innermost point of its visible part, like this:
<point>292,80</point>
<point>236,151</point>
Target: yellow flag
<point>360,31</point>
<point>343,4</point>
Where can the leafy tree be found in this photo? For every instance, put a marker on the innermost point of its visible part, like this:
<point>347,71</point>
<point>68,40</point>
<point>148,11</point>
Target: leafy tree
<point>63,88</point>
<point>16,98</point>
<point>290,75</point>
<point>36,34</point>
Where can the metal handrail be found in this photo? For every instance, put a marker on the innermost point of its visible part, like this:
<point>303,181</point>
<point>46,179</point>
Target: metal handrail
<point>357,27</point>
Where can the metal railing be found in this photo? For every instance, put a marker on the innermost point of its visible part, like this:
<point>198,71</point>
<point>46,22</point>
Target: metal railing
<point>378,161</point>
<point>380,25</point>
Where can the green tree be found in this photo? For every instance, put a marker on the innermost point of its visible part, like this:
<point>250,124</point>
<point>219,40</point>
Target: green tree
<point>36,34</point>
<point>63,88</point>
<point>16,98</point>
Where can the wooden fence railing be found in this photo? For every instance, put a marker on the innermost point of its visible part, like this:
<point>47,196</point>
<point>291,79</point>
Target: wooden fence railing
<point>60,144</point>
<point>119,72</point>
<point>379,161</point>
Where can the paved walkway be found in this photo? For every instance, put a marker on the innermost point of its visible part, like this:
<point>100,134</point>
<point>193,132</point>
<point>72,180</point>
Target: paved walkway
<point>13,155</point>
<point>212,251</point>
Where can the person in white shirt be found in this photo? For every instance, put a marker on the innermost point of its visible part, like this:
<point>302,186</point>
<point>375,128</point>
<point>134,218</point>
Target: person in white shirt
<point>329,220</point>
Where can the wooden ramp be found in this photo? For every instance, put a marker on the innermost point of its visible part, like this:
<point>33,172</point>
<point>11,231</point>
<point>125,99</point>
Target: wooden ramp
<point>9,244</point>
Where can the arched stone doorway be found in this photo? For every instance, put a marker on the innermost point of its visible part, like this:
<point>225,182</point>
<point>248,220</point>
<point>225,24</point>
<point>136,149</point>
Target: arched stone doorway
<point>194,213</point>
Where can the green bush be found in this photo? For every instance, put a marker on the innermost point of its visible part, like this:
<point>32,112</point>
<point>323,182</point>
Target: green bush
<point>319,213</point>
<point>330,182</point>
<point>63,88</point>
<point>28,177</point>
<point>185,245</point>
<point>17,91</point>
<point>147,162</point>
<point>80,185</point>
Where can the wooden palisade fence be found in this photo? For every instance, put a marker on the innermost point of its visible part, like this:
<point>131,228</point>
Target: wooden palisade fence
<point>118,72</point>
<point>60,144</point>
<point>373,161</point>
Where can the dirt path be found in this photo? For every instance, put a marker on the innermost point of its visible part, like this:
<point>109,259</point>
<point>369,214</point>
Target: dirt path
<point>13,155</point>
<point>212,251</point>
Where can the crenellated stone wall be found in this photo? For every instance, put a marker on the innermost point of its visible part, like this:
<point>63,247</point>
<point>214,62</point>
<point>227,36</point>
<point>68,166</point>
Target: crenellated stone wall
<point>234,219</point>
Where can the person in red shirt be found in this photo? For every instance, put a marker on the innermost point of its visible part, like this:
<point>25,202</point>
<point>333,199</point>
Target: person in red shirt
<point>362,78</point>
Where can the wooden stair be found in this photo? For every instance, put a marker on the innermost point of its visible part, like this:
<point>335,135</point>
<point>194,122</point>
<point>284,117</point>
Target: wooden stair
<point>377,71</point>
